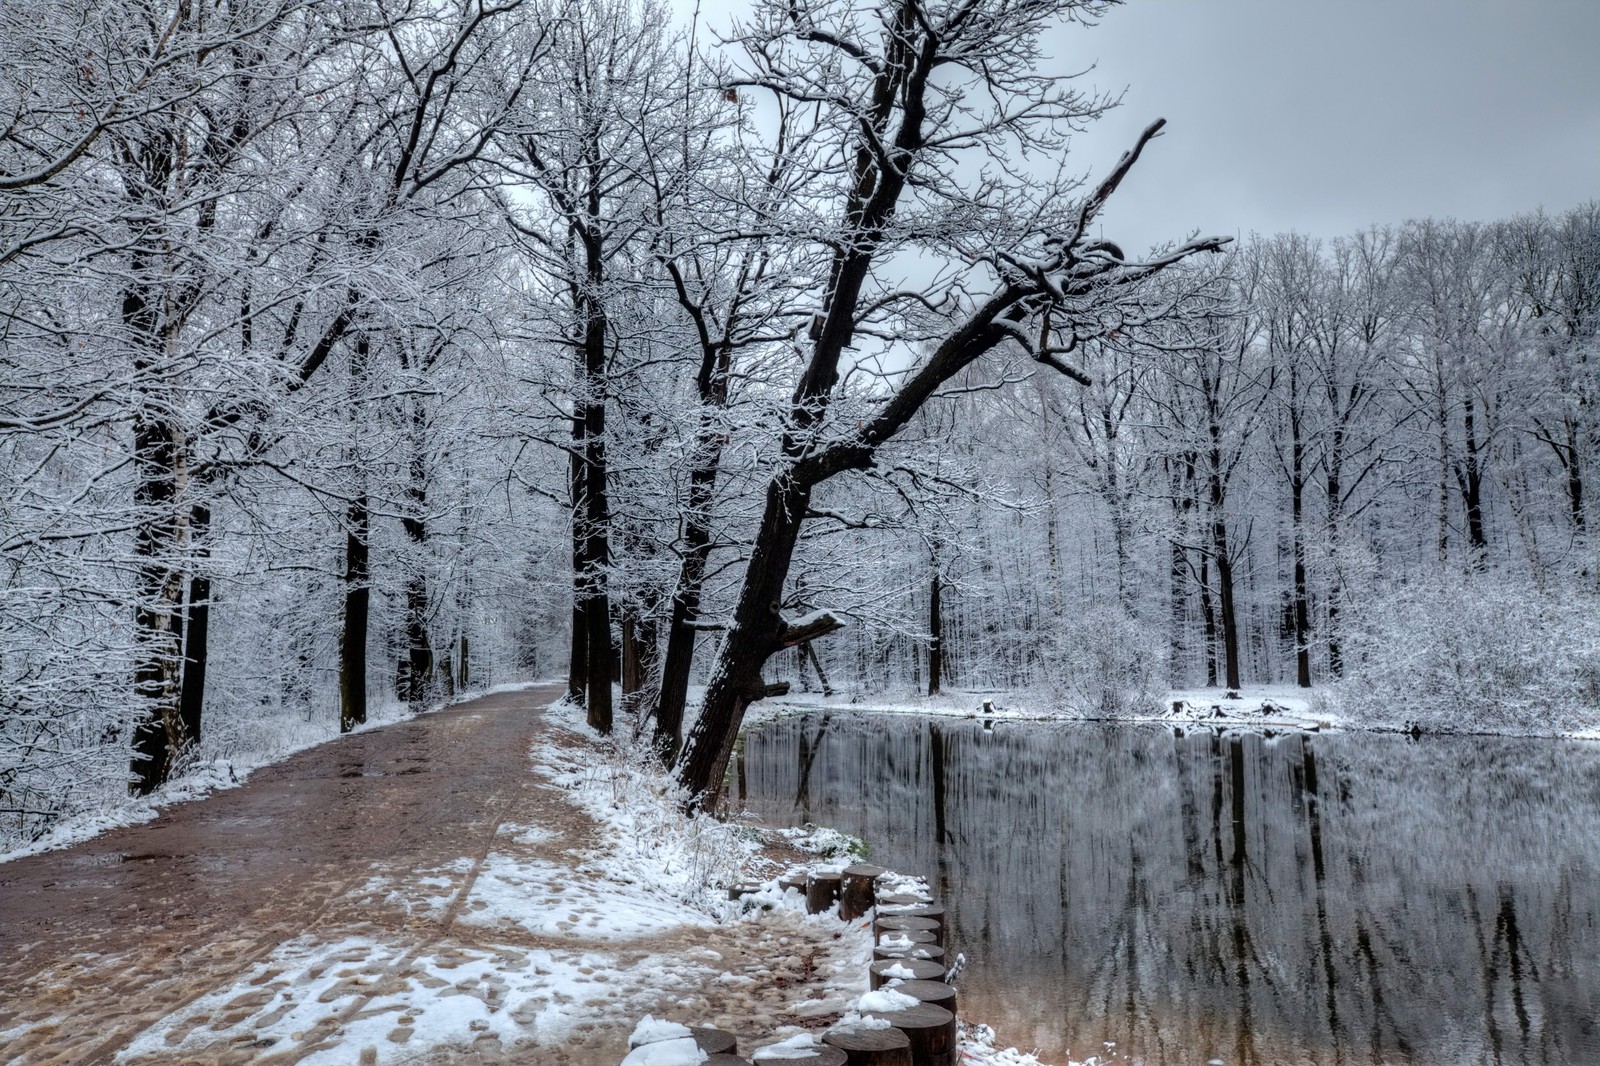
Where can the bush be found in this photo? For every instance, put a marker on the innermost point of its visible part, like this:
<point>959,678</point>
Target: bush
<point>1474,653</point>
<point>1106,664</point>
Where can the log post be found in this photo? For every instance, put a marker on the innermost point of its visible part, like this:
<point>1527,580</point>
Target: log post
<point>888,971</point>
<point>894,923</point>
<point>927,952</point>
<point>857,894</point>
<point>918,910</point>
<point>931,1031</point>
<point>935,992</point>
<point>868,1046</point>
<point>730,1060</point>
<point>796,881</point>
<point>820,1055</point>
<point>822,891</point>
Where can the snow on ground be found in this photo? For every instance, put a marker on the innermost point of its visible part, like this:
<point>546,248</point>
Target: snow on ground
<point>1282,706</point>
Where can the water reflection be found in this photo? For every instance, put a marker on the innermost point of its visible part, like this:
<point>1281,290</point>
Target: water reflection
<point>1335,899</point>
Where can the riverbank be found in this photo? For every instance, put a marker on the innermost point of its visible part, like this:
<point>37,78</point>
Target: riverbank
<point>1277,707</point>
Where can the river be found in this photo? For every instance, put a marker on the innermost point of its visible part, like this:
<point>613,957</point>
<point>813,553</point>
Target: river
<point>1178,896</point>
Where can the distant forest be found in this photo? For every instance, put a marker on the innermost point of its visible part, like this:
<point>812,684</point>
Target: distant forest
<point>353,354</point>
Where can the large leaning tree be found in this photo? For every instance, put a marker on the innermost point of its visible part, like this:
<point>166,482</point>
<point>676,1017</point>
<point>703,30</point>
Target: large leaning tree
<point>938,133</point>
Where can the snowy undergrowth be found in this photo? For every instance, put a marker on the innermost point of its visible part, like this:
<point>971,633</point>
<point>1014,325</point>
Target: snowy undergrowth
<point>648,839</point>
<point>1485,654</point>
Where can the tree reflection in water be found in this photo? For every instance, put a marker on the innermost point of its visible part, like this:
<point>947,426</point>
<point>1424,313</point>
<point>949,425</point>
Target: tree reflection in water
<point>1327,899</point>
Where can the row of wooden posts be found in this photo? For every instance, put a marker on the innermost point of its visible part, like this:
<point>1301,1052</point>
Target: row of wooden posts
<point>908,955</point>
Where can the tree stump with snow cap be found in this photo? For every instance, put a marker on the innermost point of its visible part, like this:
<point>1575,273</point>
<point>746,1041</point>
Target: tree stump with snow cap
<point>857,893</point>
<point>822,891</point>
<point>796,881</point>
<point>902,897</point>
<point>937,993</point>
<point>912,910</point>
<point>885,971</point>
<point>867,1045</point>
<point>894,923</point>
<point>924,952</point>
<point>725,1060</point>
<point>818,1055</point>
<point>930,1030</point>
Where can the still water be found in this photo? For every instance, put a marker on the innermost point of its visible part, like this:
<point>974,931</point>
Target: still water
<point>1164,897</point>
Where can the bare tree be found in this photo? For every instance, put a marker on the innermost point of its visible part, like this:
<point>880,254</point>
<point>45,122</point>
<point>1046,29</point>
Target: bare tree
<point>906,92</point>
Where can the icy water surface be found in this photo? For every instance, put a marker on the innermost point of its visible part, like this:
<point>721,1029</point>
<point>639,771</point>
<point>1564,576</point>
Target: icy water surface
<point>1164,897</point>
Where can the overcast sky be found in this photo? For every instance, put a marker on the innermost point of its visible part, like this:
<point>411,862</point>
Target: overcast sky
<point>1329,115</point>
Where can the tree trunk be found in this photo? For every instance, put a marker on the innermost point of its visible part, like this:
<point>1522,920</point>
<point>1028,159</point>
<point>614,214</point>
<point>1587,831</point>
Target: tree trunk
<point>357,603</point>
<point>357,584</point>
<point>1297,494</point>
<point>578,661</point>
<point>751,639</point>
<point>1208,619</point>
<point>936,633</point>
<point>197,629</point>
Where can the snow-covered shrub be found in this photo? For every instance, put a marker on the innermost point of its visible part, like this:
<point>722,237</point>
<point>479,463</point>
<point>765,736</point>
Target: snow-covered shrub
<point>1474,653</point>
<point>648,838</point>
<point>1106,664</point>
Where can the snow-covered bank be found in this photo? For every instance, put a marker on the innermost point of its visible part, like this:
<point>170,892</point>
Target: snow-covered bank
<point>1259,706</point>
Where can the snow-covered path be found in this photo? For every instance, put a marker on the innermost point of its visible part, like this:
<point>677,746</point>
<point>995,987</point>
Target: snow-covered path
<point>417,893</point>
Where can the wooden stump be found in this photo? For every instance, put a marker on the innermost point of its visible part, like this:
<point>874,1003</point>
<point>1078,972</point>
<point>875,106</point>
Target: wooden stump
<point>856,893</point>
<point>744,888</point>
<point>900,939</point>
<point>919,969</point>
<point>931,1031</point>
<point>926,952</point>
<point>863,1046</point>
<point>728,1060</point>
<point>796,881</point>
<point>714,1041</point>
<point>822,1055</point>
<point>894,923</point>
<point>912,910</point>
<point>935,992</point>
<point>822,890</point>
<point>900,897</point>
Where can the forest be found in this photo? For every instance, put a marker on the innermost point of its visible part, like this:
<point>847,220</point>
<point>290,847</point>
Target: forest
<point>358,353</point>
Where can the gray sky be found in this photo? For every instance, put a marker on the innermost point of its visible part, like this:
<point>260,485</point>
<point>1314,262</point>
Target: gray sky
<point>1329,115</point>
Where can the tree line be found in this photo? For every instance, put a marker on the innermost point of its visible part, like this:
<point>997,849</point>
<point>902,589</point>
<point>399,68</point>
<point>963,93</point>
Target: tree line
<point>355,353</point>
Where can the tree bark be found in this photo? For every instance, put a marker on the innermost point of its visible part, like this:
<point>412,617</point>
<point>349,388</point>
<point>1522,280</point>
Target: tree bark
<point>936,632</point>
<point>197,628</point>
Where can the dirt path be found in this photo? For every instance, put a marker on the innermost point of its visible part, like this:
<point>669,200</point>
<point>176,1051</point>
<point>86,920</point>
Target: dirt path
<point>349,905</point>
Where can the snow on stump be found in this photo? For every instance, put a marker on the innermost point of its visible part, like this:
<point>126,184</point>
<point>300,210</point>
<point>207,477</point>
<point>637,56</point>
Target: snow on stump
<point>822,891</point>
<point>857,894</point>
<point>868,1043</point>
<point>912,910</point>
<point>682,1051</point>
<point>651,1031</point>
<point>895,923</point>
<point>899,947</point>
<point>690,1044</point>
<point>798,1050</point>
<point>725,1060</point>
<point>796,881</point>
<point>936,993</point>
<point>885,971</point>
<point>930,1031</point>
<point>903,897</point>
<point>743,889</point>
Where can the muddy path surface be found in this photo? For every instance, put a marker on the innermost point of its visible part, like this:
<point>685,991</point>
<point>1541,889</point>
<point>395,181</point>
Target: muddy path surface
<point>298,918</point>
